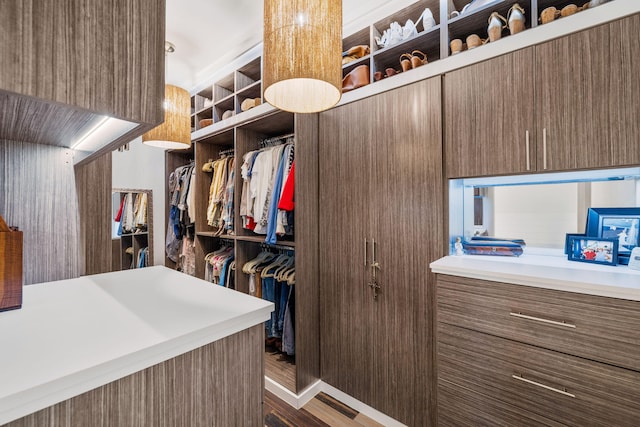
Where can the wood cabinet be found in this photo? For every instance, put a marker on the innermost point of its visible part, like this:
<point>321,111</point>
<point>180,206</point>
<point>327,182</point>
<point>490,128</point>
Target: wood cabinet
<point>528,356</point>
<point>71,63</point>
<point>576,113</point>
<point>624,108</point>
<point>488,113</point>
<point>381,192</point>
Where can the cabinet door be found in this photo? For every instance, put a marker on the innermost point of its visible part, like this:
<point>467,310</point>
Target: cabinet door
<point>572,93</point>
<point>346,323</point>
<point>407,200</point>
<point>488,110</point>
<point>624,105</point>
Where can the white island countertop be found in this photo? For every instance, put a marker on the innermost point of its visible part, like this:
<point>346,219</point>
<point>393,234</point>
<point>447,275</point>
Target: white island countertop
<point>549,272</point>
<point>72,336</point>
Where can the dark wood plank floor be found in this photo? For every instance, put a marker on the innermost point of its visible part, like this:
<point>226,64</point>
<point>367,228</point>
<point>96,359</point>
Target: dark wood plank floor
<point>322,411</point>
<point>280,368</point>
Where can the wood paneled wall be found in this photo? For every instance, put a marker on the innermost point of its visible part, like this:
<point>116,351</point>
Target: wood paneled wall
<point>38,195</point>
<point>218,385</point>
<point>93,186</point>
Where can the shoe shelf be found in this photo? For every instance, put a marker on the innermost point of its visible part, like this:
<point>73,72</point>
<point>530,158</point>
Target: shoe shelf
<point>227,94</point>
<point>427,42</point>
<point>201,107</point>
<point>476,21</point>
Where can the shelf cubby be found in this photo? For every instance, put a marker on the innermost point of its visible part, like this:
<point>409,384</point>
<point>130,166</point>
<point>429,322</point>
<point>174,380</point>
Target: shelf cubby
<point>476,20</point>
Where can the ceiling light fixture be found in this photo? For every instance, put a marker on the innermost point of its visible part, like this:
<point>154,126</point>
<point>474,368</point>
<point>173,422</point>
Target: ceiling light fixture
<point>175,131</point>
<point>302,65</point>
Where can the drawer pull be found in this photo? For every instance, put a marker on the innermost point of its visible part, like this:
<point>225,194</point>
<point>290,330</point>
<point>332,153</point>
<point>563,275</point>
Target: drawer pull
<point>563,392</point>
<point>538,319</point>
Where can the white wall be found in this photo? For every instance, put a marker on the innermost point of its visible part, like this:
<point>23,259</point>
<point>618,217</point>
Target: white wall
<point>142,168</point>
<point>539,214</point>
<point>614,194</point>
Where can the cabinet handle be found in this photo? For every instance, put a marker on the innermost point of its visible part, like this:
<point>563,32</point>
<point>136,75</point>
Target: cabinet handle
<point>365,252</point>
<point>527,147</point>
<point>546,387</point>
<point>544,148</point>
<point>539,319</point>
<point>373,250</point>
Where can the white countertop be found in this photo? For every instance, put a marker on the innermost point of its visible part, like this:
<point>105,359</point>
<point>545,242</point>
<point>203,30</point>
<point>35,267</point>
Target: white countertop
<point>72,336</point>
<point>550,272</point>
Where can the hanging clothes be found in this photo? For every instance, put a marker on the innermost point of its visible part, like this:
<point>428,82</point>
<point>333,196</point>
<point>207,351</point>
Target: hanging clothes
<point>181,208</point>
<point>265,173</point>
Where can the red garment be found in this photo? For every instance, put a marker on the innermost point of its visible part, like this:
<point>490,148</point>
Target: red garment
<point>286,201</point>
<point>251,224</point>
<point>119,215</point>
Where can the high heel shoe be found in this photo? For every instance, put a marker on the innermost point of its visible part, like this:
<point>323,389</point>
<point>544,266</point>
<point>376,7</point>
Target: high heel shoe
<point>416,61</point>
<point>405,61</point>
<point>355,52</point>
<point>427,19</point>
<point>515,18</point>
<point>496,24</point>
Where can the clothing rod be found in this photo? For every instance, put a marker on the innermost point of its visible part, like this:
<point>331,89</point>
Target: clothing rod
<point>277,246</point>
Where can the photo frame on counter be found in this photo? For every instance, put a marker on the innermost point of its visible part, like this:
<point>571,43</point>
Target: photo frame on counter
<point>620,224</point>
<point>567,242</point>
<point>593,250</point>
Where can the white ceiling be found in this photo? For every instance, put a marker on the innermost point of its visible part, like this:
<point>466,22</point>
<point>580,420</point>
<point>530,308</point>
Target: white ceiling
<point>210,33</point>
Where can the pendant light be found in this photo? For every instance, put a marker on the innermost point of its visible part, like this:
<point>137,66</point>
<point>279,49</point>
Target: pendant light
<point>302,56</point>
<point>175,131</point>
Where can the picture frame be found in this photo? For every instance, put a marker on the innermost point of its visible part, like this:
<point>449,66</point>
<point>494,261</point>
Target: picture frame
<point>594,250</point>
<point>622,224</point>
<point>567,242</point>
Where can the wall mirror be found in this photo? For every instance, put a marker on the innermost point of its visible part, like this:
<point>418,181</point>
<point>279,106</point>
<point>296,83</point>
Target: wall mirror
<point>540,209</point>
<point>132,228</point>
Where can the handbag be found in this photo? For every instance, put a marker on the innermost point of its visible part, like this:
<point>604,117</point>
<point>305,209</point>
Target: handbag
<point>358,77</point>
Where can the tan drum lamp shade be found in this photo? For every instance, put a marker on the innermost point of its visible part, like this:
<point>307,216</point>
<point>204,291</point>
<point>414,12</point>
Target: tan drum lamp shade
<point>175,131</point>
<point>302,56</point>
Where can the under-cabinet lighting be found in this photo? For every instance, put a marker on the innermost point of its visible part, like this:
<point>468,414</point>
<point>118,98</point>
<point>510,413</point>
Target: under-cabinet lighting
<point>107,129</point>
<point>553,178</point>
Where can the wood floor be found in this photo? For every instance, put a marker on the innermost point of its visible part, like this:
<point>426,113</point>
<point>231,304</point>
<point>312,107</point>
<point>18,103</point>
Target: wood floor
<point>322,411</point>
<point>280,368</point>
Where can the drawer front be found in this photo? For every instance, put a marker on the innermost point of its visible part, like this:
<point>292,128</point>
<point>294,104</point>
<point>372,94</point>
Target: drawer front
<point>461,407</point>
<point>561,387</point>
<point>597,328</point>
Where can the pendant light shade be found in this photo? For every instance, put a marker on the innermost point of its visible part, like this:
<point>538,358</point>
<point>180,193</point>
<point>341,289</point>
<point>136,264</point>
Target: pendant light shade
<point>302,63</point>
<point>175,131</point>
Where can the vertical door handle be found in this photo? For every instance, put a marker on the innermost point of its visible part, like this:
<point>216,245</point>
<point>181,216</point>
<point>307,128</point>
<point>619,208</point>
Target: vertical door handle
<point>544,148</point>
<point>527,148</point>
<point>365,252</point>
<point>373,250</point>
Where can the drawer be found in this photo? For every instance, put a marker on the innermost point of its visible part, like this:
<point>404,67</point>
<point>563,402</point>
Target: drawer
<point>459,407</point>
<point>597,328</point>
<point>564,388</point>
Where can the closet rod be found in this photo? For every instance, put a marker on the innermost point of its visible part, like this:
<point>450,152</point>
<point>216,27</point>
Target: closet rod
<point>276,140</point>
<point>277,246</point>
<point>223,153</point>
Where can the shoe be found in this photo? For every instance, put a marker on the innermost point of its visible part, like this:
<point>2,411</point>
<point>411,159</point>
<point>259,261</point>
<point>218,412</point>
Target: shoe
<point>515,18</point>
<point>474,41</point>
<point>409,30</point>
<point>390,72</point>
<point>249,103</point>
<point>405,61</point>
<point>456,46</point>
<point>497,23</point>
<point>568,10</point>
<point>427,19</point>
<point>548,15</point>
<point>416,61</point>
<point>205,122</point>
<point>227,114</point>
<point>377,76</point>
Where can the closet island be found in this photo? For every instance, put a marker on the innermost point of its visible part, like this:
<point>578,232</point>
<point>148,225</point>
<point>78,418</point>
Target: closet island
<point>148,346</point>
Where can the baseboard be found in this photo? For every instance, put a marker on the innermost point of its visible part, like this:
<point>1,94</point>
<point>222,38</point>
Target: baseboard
<point>299,400</point>
<point>363,408</point>
<point>292,399</point>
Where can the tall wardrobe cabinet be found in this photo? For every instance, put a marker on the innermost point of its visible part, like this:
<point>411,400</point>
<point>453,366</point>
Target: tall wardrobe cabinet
<point>381,199</point>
